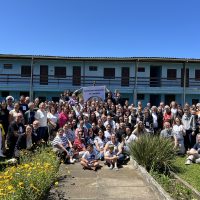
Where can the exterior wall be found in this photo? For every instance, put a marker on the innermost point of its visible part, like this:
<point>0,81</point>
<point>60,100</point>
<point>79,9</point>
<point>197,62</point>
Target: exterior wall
<point>56,85</point>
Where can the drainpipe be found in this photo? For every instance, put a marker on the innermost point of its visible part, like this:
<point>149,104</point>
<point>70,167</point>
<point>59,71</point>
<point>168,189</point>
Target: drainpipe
<point>83,73</point>
<point>184,82</point>
<point>135,86</point>
<point>31,81</point>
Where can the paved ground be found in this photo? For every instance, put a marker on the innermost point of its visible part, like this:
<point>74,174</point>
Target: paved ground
<point>125,184</point>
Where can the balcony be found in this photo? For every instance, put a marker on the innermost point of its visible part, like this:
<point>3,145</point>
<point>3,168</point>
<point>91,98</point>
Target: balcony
<point>16,82</point>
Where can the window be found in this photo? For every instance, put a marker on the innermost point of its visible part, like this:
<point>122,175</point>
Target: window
<point>7,66</point>
<point>26,94</point>
<point>25,71</point>
<point>195,101</point>
<point>4,93</point>
<point>171,74</point>
<point>109,73</point>
<point>141,69</point>
<point>140,96</point>
<point>60,72</point>
<point>92,68</point>
<point>197,75</point>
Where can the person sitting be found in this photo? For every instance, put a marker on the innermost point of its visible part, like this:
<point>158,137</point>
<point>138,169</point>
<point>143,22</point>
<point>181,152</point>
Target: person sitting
<point>25,141</point>
<point>194,153</point>
<point>63,146</point>
<point>79,144</point>
<point>99,142</point>
<point>111,157</point>
<point>139,129</point>
<point>89,159</point>
<point>167,131</point>
<point>117,148</point>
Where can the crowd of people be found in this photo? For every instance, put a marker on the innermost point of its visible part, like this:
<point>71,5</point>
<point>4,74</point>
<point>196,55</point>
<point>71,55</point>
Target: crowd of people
<point>95,130</point>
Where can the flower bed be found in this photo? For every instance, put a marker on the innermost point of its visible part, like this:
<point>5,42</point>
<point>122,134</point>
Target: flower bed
<point>32,178</point>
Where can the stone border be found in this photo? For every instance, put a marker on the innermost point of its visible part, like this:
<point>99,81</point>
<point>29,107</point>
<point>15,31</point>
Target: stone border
<point>195,192</point>
<point>161,193</point>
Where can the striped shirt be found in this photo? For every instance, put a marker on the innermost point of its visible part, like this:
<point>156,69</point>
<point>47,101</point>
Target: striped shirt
<point>63,140</point>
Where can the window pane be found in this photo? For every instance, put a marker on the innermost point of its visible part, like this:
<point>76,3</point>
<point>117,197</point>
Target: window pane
<point>171,74</point>
<point>60,72</point>
<point>25,71</point>
<point>141,69</point>
<point>197,74</point>
<point>7,66</point>
<point>109,73</point>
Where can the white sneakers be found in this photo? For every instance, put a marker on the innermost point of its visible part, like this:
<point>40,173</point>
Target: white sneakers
<point>188,162</point>
<point>111,166</point>
<point>72,161</point>
<point>197,161</point>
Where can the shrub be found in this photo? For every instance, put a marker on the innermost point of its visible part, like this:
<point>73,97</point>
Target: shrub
<point>153,153</point>
<point>31,179</point>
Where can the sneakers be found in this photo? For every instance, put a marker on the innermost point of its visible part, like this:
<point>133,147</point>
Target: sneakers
<point>116,168</point>
<point>111,166</point>
<point>188,162</point>
<point>197,161</point>
<point>72,161</point>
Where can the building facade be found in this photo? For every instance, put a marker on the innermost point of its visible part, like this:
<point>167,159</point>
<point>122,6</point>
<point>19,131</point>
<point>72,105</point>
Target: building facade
<point>149,79</point>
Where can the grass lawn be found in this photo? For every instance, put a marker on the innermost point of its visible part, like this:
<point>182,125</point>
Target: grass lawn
<point>190,173</point>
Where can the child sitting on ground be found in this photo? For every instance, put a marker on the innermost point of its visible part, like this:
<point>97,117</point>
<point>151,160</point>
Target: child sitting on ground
<point>111,157</point>
<point>89,159</point>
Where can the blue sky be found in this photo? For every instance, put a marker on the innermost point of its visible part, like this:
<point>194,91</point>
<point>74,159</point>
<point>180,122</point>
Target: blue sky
<point>121,28</point>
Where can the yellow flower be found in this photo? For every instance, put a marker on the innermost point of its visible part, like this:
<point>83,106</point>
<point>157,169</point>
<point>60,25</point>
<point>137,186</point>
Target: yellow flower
<point>56,183</point>
<point>20,183</point>
<point>10,187</point>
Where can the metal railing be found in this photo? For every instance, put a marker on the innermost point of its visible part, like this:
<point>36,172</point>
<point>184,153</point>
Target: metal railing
<point>50,80</point>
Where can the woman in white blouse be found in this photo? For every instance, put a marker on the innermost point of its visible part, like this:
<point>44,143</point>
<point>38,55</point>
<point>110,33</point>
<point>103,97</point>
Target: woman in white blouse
<point>178,133</point>
<point>52,117</point>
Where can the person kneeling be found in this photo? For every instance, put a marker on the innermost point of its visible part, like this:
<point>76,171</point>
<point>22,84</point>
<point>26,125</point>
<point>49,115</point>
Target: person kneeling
<point>63,146</point>
<point>89,159</point>
<point>111,157</point>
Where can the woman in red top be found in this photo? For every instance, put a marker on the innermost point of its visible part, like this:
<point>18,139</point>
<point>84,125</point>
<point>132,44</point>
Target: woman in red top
<point>63,117</point>
<point>167,117</point>
<point>79,145</point>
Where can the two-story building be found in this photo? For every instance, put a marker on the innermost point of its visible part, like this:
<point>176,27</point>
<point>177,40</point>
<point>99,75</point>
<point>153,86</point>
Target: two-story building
<point>150,79</point>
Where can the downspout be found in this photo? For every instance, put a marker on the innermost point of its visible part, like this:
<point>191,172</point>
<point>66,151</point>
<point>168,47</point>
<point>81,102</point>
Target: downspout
<point>135,86</point>
<point>184,82</point>
<point>31,81</point>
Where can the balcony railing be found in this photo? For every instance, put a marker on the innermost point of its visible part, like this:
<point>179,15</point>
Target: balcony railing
<point>124,82</point>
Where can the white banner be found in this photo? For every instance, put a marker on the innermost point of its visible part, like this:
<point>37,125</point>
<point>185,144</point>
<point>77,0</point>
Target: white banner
<point>94,93</point>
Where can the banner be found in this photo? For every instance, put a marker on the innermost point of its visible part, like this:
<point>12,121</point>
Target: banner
<point>94,93</point>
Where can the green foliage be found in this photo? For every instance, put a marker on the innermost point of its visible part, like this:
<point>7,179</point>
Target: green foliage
<point>190,173</point>
<point>175,189</point>
<point>153,153</point>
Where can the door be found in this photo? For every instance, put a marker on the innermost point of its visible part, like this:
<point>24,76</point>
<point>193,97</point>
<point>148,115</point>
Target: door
<point>43,74</point>
<point>155,76</point>
<point>76,75</point>
<point>186,76</point>
<point>125,76</point>
<point>155,99</point>
<point>169,98</point>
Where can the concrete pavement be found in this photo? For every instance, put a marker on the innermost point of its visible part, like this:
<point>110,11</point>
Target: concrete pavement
<point>79,184</point>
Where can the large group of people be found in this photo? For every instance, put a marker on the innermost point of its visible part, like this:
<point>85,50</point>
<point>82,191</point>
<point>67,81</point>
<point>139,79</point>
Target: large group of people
<point>95,130</point>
